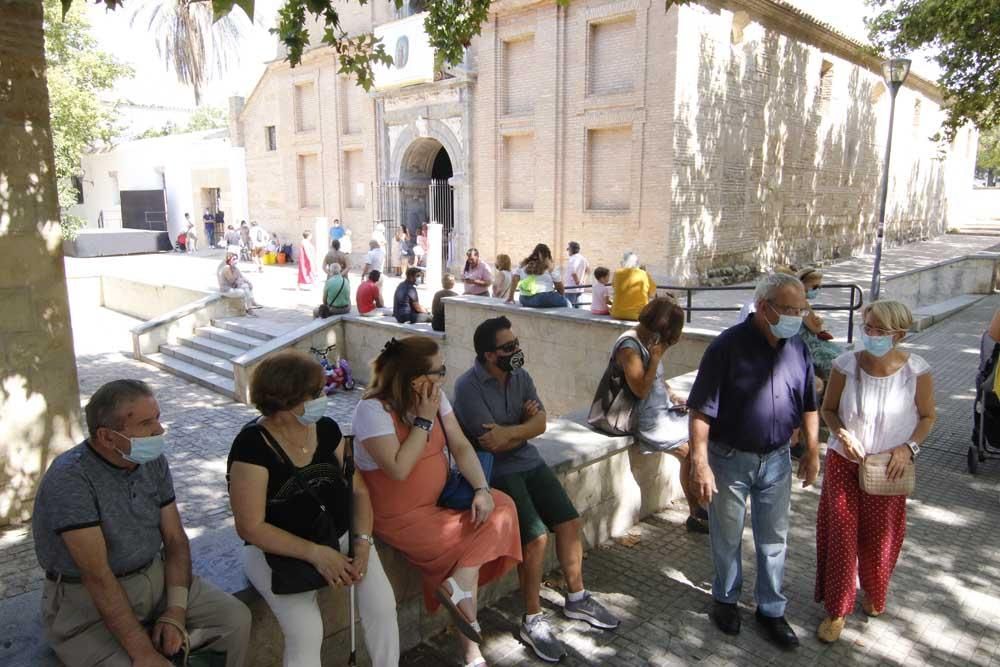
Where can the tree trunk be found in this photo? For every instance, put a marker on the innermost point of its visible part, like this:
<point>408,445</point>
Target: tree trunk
<point>39,394</point>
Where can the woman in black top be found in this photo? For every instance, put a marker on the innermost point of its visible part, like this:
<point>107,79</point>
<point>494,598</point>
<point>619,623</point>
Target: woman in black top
<point>275,514</point>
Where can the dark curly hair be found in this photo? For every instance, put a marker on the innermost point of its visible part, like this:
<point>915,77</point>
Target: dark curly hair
<point>285,379</point>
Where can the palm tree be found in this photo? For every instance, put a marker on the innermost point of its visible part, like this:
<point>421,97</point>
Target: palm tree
<point>189,41</point>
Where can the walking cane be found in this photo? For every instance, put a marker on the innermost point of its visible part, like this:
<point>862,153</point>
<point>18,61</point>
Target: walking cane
<point>349,474</point>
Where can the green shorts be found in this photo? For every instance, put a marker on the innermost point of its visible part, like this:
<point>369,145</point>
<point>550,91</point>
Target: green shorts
<point>541,501</point>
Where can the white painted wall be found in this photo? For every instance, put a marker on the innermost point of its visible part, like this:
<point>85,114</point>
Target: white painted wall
<point>145,164</point>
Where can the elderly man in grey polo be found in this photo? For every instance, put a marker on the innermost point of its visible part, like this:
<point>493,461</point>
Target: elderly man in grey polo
<point>119,589</point>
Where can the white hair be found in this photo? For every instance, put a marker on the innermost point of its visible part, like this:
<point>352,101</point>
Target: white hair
<point>335,268</point>
<point>630,260</point>
<point>771,283</point>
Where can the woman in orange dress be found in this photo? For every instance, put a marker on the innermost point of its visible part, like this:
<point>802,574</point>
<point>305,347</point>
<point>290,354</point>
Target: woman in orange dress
<point>402,429</point>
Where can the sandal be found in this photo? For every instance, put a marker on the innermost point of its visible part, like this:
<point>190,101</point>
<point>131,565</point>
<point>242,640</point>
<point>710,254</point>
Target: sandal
<point>450,601</point>
<point>869,608</point>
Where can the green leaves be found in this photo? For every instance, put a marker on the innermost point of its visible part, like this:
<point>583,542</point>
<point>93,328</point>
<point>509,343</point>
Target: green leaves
<point>966,36</point>
<point>221,8</point>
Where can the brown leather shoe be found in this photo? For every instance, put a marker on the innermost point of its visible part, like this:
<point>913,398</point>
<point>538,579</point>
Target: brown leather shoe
<point>829,630</point>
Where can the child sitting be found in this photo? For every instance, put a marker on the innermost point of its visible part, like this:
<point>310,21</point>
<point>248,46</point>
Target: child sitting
<point>437,308</point>
<point>601,292</point>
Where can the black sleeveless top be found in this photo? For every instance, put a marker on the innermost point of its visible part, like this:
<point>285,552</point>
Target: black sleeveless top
<point>289,507</point>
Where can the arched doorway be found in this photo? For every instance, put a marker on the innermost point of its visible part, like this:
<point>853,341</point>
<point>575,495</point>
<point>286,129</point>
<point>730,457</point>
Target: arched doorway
<point>424,194</point>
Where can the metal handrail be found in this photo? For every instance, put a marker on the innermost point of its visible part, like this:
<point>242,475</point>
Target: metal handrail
<point>856,300</point>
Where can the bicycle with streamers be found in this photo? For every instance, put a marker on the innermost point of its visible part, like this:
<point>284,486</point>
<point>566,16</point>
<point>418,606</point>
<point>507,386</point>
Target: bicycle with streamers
<point>338,372</point>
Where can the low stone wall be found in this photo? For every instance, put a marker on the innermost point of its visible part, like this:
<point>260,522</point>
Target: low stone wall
<point>145,300</point>
<point>972,274</point>
<point>170,326</point>
<point>611,483</point>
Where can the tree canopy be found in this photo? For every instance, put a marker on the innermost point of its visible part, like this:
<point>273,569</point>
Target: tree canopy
<point>966,36</point>
<point>204,118</point>
<point>77,72</point>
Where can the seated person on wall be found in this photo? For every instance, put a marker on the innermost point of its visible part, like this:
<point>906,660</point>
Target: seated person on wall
<point>499,410</point>
<point>437,306</point>
<point>537,279</point>
<point>369,296</point>
<point>336,294</point>
<point>275,515</point>
<point>232,282</point>
<point>663,422</point>
<point>601,292</point>
<point>502,277</point>
<point>336,256</point>
<point>406,439</point>
<point>119,589</point>
<point>633,288</point>
<point>406,306</point>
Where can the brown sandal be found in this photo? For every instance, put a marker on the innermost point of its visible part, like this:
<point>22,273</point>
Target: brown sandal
<point>450,601</point>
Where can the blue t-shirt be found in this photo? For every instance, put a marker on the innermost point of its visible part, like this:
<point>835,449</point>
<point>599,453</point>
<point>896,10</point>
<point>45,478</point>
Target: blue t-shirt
<point>336,233</point>
<point>754,394</point>
<point>403,300</point>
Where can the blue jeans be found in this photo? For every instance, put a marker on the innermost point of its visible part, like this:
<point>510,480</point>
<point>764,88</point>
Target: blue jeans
<point>573,298</point>
<point>767,480</point>
<point>544,300</point>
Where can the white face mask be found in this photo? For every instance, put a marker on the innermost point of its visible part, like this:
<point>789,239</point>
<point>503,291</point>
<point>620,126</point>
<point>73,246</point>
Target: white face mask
<point>143,449</point>
<point>314,409</point>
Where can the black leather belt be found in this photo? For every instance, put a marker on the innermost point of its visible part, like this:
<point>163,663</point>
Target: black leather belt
<point>71,579</point>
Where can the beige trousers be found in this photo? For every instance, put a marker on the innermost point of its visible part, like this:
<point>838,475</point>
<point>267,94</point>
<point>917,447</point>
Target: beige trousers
<point>216,621</point>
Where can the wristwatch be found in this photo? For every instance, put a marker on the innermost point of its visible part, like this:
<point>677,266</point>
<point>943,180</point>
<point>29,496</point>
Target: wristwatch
<point>365,537</point>
<point>914,448</point>
<point>425,424</point>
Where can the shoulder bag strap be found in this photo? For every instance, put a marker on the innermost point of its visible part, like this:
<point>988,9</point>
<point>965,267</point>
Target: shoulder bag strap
<point>296,475</point>
<point>343,282</point>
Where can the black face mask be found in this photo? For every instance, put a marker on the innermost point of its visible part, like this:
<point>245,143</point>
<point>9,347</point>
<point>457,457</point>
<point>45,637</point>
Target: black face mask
<point>510,362</point>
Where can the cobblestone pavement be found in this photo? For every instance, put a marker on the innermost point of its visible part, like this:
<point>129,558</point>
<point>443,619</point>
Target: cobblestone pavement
<point>944,600</point>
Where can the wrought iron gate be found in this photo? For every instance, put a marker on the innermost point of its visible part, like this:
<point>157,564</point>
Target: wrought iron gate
<point>387,214</point>
<point>441,202</point>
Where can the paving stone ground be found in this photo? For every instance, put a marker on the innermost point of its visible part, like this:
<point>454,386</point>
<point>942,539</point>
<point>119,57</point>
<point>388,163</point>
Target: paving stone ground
<point>944,603</point>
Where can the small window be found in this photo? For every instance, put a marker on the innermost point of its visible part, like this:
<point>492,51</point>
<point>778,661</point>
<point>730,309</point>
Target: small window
<point>78,186</point>
<point>270,138</point>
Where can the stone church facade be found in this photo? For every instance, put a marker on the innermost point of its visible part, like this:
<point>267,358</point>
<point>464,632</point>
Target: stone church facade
<point>710,138</point>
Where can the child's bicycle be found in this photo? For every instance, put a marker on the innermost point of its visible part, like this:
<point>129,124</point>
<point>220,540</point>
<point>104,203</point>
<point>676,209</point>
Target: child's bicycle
<point>338,373</point>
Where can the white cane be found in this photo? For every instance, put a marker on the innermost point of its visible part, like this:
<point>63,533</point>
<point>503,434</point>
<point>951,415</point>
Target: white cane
<point>349,474</point>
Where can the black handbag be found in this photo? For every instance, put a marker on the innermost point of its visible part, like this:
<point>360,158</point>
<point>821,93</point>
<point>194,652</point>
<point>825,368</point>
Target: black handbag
<point>292,575</point>
<point>457,493</point>
<point>613,410</point>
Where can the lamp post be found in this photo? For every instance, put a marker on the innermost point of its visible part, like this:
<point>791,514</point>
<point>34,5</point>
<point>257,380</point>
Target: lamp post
<point>894,72</point>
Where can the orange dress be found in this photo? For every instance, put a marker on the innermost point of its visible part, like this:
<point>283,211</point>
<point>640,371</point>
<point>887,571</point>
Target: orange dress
<point>434,539</point>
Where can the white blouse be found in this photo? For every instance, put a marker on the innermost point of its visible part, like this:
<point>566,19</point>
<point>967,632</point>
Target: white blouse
<point>888,404</point>
<point>372,420</point>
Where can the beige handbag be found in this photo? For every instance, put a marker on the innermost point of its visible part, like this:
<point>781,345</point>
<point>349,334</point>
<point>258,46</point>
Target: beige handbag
<point>873,471</point>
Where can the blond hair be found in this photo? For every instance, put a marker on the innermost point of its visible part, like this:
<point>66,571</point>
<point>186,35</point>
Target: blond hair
<point>892,315</point>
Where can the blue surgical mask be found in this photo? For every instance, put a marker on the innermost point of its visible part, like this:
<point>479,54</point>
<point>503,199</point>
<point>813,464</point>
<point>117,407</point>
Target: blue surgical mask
<point>877,346</point>
<point>812,294</point>
<point>315,409</point>
<point>144,449</point>
<point>787,326</point>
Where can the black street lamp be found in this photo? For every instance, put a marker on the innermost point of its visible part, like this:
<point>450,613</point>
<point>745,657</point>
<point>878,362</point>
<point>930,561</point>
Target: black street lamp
<point>894,72</point>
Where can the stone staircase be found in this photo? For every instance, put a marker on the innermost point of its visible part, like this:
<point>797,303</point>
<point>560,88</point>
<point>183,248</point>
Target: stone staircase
<point>205,357</point>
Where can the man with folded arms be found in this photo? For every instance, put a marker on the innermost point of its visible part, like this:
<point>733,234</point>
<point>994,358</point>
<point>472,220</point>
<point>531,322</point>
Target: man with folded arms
<point>119,589</point>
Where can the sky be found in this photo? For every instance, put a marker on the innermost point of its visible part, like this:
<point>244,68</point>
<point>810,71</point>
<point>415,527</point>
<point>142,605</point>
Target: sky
<point>154,84</point>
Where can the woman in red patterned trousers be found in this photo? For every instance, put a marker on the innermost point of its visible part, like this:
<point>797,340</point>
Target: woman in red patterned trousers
<point>878,400</point>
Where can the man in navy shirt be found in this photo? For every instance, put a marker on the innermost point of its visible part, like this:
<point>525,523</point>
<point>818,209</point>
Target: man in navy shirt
<point>754,387</point>
<point>406,303</point>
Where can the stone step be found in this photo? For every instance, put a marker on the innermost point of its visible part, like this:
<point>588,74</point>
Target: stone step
<point>218,383</point>
<point>229,337</point>
<point>196,357</point>
<point>247,326</point>
<point>212,346</point>
<point>924,316</point>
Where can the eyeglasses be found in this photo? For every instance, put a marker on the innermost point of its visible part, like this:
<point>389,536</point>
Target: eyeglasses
<point>440,372</point>
<point>875,331</point>
<point>509,348</point>
<point>786,310</point>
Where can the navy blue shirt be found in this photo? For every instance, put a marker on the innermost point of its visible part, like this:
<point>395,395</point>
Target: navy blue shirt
<point>403,300</point>
<point>754,394</point>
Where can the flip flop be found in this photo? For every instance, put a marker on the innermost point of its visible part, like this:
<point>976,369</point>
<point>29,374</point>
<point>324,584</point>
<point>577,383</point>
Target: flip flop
<point>450,601</point>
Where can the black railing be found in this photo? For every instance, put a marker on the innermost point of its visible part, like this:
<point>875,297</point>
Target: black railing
<point>856,300</point>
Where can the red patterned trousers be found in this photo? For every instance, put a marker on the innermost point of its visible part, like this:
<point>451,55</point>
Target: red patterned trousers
<point>857,536</point>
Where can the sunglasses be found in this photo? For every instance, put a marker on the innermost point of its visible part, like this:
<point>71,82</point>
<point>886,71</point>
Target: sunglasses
<point>509,348</point>
<point>440,372</point>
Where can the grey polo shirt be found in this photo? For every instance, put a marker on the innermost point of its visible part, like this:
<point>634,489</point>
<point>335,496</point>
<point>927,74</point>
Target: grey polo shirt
<point>81,489</point>
<point>480,399</point>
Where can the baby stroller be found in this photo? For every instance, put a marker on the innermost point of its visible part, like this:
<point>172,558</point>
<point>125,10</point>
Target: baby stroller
<point>986,425</point>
